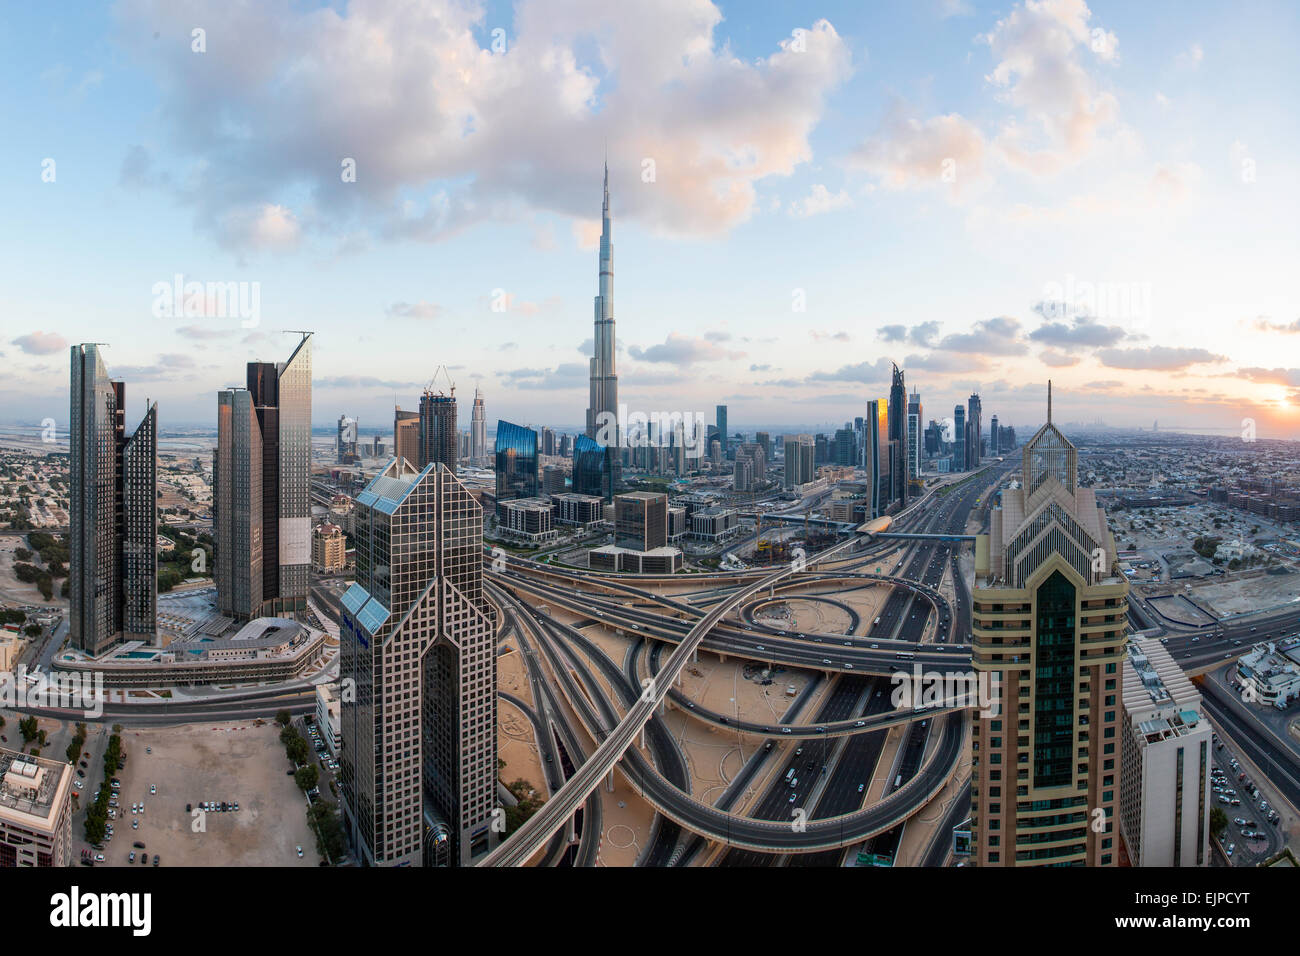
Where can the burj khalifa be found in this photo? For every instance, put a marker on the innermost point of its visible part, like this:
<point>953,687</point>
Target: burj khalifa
<point>603,405</point>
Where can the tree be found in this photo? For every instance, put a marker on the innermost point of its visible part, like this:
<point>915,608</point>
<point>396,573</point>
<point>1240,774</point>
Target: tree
<point>1218,822</point>
<point>306,777</point>
<point>282,717</point>
<point>27,727</point>
<point>297,750</point>
<point>32,630</point>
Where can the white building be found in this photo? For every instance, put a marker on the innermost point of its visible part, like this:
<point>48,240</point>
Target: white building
<point>1165,793</point>
<point>327,716</point>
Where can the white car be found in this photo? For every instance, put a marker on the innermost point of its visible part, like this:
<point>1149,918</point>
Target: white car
<point>299,849</point>
<point>152,788</point>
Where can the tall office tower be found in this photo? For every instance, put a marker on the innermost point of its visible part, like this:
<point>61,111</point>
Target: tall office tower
<point>959,438</point>
<point>641,520</point>
<point>914,436</point>
<point>112,514</point>
<point>478,430</point>
<point>566,445</point>
<point>898,436</point>
<point>846,446</point>
<point>800,466</point>
<point>604,381</point>
<point>593,468</point>
<point>721,412</point>
<point>438,428</point>
<point>876,456</point>
<point>419,754</point>
<point>406,435</point>
<point>347,440</point>
<point>742,478</point>
<point>516,462</point>
<point>974,438</point>
<point>279,394</point>
<point>933,439</point>
<point>1007,438</point>
<point>1049,617</point>
<point>764,439</point>
<point>821,449</point>
<point>1165,746</point>
<point>237,471</point>
<point>993,437</point>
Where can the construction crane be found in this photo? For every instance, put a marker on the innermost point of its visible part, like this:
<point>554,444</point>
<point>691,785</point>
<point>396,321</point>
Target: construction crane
<point>451,385</point>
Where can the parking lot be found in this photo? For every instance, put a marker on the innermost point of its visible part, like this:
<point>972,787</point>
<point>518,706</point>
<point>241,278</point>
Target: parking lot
<point>170,768</point>
<point>1253,833</point>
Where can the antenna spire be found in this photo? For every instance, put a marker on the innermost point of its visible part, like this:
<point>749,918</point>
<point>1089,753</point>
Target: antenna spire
<point>1049,401</point>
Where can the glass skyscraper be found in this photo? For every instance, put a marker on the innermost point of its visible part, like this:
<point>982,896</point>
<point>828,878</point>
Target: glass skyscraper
<point>264,523</point>
<point>593,468</point>
<point>438,437</point>
<point>516,453</point>
<point>112,512</point>
<point>417,645</point>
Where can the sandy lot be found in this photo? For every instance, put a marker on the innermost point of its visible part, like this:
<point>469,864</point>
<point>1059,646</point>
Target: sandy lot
<point>193,763</point>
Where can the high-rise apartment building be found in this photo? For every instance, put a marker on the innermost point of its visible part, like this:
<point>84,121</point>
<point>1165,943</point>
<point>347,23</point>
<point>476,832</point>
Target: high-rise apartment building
<point>112,512</point>
<point>35,810</point>
<point>406,435</point>
<point>261,496</point>
<point>438,437</point>
<point>478,430</point>
<point>994,450</point>
<point>1166,743</point>
<point>800,460</point>
<point>1049,618</point>
<point>898,438</point>
<point>419,756</point>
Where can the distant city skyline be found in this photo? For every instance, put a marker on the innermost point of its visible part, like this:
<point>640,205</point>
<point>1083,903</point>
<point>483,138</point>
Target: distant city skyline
<point>985,195</point>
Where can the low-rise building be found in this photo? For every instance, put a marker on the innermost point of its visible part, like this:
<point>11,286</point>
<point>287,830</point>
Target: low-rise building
<point>327,716</point>
<point>528,519</point>
<point>585,511</point>
<point>1166,744</point>
<point>664,560</point>
<point>714,524</point>
<point>1268,677</point>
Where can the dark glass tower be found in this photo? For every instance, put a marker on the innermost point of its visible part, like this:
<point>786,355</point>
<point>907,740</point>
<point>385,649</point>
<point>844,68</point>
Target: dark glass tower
<point>112,512</point>
<point>516,453</point>
<point>898,438</point>
<point>593,468</point>
<point>263,520</point>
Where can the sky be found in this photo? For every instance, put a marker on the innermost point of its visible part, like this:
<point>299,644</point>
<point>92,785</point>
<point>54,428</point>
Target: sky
<point>990,195</point>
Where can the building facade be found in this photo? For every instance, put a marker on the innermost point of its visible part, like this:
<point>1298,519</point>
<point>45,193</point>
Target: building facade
<point>438,437</point>
<point>516,462</point>
<point>112,512</point>
<point>1049,621</point>
<point>641,520</point>
<point>418,642</point>
<point>35,810</point>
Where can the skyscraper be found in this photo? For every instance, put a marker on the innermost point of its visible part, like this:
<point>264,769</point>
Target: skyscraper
<point>516,462</point>
<point>604,381</point>
<point>438,438</point>
<point>959,432</point>
<point>419,755</point>
<point>974,438</point>
<point>721,412</point>
<point>914,436</point>
<point>593,468</point>
<point>477,430</point>
<point>1050,610</point>
<point>112,513</point>
<point>993,437</point>
<point>898,438</point>
<point>267,427</point>
<point>347,440</point>
<point>406,435</point>
<point>800,466</point>
<point>876,456</point>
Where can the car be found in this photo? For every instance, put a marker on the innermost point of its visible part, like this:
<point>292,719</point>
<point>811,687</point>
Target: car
<point>131,857</point>
<point>860,723</point>
<point>81,773</point>
<point>152,788</point>
<point>1231,848</point>
<point>1240,821</point>
<point>234,806</point>
<point>144,858</point>
<point>78,784</point>
<point>138,844</point>
<point>825,660</point>
<point>298,849</point>
<point>785,730</point>
<point>861,787</point>
<point>99,858</point>
<point>759,647</point>
<point>156,859</point>
<point>793,797</point>
<point>189,808</point>
<point>135,824</point>
<point>148,750</point>
<point>875,647</point>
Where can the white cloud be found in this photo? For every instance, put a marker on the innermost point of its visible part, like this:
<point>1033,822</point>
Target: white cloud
<point>819,201</point>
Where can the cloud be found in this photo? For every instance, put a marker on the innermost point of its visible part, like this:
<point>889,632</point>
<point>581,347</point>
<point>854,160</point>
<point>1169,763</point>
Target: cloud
<point>1264,324</point>
<point>201,332</point>
<point>682,350</point>
<point>820,200</point>
<point>868,373</point>
<point>1056,359</point>
<point>906,152</point>
<point>996,336</point>
<point>564,375</point>
<point>1191,57</point>
<point>1041,50</point>
<point>1271,376</point>
<point>1158,358</point>
<point>1084,332</point>
<point>414,310</point>
<point>41,343</point>
<point>922,334</point>
<point>299,89</point>
<point>350,382</point>
<point>818,335</point>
